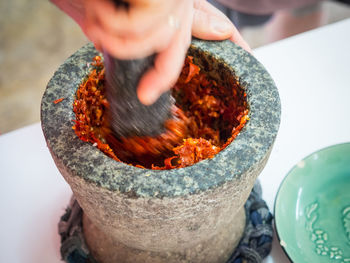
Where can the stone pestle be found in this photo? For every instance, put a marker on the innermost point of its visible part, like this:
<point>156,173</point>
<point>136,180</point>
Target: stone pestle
<point>127,115</point>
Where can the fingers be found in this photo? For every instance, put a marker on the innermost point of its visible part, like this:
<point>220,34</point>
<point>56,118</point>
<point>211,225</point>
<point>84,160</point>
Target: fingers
<point>130,34</point>
<point>132,48</point>
<point>119,21</point>
<point>168,64</point>
<point>135,21</point>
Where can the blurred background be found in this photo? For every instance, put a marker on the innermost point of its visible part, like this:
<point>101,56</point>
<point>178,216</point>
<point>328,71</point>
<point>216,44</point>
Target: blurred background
<point>36,37</point>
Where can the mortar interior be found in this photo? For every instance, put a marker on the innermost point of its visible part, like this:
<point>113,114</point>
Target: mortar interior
<point>210,110</point>
<point>249,148</point>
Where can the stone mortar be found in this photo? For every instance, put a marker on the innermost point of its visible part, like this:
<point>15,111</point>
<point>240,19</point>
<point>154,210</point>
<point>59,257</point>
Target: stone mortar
<point>191,214</point>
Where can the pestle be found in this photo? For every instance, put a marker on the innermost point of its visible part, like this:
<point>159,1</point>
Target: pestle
<point>127,115</point>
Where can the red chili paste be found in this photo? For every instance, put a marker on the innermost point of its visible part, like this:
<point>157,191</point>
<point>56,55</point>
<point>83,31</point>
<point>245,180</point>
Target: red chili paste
<point>206,118</point>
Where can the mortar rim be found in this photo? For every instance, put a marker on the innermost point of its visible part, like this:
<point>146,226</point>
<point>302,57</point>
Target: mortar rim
<point>230,164</point>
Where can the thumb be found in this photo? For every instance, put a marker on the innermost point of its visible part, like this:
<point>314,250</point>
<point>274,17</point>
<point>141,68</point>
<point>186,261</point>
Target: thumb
<point>210,26</point>
<point>209,23</point>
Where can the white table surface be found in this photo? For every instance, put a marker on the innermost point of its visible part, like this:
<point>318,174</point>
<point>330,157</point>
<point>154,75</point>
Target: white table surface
<point>312,73</point>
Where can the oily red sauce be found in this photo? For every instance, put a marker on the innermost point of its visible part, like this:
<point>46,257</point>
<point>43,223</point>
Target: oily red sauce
<point>206,118</point>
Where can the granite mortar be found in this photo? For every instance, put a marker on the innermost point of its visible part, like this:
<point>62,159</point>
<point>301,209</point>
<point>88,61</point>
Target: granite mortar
<point>191,214</point>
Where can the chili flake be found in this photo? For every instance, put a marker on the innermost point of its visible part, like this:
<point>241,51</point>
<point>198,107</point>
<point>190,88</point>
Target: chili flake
<point>58,100</point>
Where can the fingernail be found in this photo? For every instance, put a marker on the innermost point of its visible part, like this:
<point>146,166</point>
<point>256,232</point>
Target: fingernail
<point>149,98</point>
<point>220,25</point>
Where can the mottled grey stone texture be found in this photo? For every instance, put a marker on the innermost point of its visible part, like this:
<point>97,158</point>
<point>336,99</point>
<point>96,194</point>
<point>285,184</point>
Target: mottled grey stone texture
<point>107,249</point>
<point>181,211</point>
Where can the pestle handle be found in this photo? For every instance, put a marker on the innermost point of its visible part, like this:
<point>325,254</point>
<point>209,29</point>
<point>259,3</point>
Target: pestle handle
<point>127,115</point>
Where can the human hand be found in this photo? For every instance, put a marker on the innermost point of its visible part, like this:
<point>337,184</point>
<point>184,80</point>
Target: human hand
<point>148,27</point>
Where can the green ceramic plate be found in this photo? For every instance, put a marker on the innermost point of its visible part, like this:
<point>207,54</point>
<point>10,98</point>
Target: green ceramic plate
<point>312,208</point>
